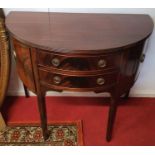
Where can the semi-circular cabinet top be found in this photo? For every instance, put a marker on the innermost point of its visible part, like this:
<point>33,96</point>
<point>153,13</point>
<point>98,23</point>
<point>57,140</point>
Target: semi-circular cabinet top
<point>78,52</point>
<point>75,31</point>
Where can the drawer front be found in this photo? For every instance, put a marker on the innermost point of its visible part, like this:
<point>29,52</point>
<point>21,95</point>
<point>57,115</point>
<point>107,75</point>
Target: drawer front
<point>78,63</point>
<point>68,81</point>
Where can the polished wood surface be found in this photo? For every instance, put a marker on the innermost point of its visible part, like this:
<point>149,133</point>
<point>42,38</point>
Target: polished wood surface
<point>70,32</point>
<point>78,52</point>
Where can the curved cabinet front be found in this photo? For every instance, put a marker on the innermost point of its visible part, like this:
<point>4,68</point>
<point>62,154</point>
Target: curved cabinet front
<point>120,68</point>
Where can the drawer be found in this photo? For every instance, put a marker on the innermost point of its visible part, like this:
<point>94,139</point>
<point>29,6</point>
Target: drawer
<point>72,81</point>
<point>78,63</point>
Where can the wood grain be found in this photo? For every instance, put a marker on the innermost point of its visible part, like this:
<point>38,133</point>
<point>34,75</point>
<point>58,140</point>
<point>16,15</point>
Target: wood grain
<point>75,32</point>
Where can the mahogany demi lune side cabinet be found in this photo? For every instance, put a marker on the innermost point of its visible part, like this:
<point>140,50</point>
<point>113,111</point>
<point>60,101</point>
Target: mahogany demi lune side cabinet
<point>78,52</point>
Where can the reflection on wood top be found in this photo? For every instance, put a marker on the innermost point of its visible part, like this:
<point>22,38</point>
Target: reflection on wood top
<point>78,31</point>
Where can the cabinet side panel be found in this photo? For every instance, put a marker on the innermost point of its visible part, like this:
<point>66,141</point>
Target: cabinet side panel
<point>129,67</point>
<point>24,65</point>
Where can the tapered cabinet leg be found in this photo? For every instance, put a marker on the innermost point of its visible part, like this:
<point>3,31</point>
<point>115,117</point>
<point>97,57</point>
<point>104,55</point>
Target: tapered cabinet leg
<point>126,96</point>
<point>111,119</point>
<point>43,117</point>
<point>26,91</point>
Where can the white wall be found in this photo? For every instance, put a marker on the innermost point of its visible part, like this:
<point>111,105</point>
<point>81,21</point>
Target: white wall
<point>144,86</point>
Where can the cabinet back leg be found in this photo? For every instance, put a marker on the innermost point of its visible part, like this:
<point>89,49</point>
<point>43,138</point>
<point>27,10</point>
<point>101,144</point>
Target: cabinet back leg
<point>126,96</point>
<point>26,91</point>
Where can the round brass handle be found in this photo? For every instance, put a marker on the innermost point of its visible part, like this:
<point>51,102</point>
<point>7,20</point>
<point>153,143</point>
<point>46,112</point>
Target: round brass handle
<point>14,53</point>
<point>142,58</point>
<point>101,63</point>
<point>100,81</point>
<point>55,62</point>
<point>57,79</point>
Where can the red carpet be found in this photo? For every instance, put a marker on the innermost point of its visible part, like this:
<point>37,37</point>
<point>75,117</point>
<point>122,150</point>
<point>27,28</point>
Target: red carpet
<point>135,121</point>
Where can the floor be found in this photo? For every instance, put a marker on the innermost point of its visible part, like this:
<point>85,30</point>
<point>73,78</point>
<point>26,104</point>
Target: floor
<point>134,125</point>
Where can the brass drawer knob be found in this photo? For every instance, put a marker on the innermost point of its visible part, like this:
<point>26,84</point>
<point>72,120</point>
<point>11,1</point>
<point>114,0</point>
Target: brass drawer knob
<point>101,63</point>
<point>55,62</point>
<point>142,58</point>
<point>14,54</point>
<point>57,79</point>
<point>100,81</point>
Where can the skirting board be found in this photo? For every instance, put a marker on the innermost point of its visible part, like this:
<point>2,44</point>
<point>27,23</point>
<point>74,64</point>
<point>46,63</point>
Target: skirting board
<point>86,94</point>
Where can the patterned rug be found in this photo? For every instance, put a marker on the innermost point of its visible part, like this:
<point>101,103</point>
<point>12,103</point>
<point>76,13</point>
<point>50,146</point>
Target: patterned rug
<point>61,134</point>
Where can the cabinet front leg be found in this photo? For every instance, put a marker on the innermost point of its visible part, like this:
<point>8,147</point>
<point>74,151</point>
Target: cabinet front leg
<point>43,116</point>
<point>111,119</point>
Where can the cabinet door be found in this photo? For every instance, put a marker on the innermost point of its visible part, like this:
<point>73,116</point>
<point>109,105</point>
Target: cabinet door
<point>24,65</point>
